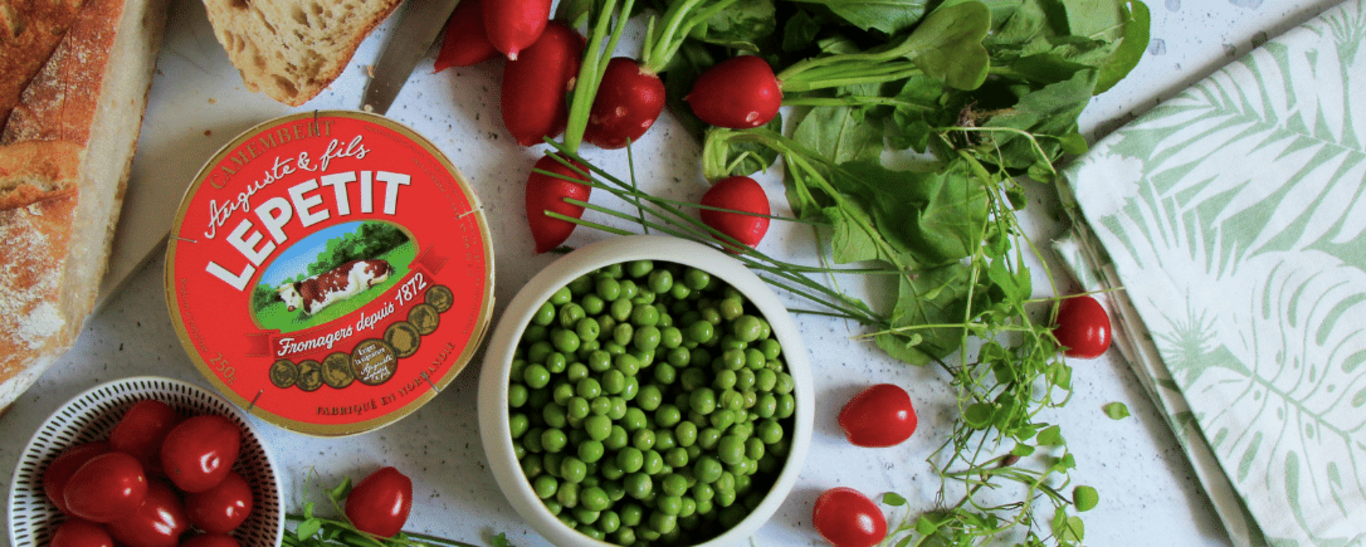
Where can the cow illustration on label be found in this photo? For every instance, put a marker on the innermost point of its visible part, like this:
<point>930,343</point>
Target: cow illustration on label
<point>317,292</point>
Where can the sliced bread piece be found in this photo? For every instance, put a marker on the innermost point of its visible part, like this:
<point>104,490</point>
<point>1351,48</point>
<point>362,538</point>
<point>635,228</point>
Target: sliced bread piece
<point>65,155</point>
<point>29,31</point>
<point>293,49</point>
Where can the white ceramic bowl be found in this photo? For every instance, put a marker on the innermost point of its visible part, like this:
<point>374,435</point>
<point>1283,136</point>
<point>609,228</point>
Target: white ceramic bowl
<point>494,376</point>
<point>90,416</point>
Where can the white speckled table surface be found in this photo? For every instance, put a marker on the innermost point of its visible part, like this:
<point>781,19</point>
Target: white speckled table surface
<point>197,104</point>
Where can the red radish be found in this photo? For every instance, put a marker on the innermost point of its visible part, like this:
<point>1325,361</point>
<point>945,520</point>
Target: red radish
<point>739,194</point>
<point>514,25</point>
<point>738,93</point>
<point>535,86</point>
<point>465,42</point>
<point>628,102</point>
<point>547,193</point>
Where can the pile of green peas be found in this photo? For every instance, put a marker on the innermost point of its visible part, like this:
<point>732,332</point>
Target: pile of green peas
<point>649,405</point>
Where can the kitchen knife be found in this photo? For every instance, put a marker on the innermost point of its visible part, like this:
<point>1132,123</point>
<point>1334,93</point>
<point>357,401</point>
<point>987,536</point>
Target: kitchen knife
<point>418,26</point>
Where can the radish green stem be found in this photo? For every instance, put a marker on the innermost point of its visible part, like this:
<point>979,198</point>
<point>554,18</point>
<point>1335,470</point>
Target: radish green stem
<point>592,69</point>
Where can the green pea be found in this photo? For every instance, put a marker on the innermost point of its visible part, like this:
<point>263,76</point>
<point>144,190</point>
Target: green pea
<point>536,376</point>
<point>765,379</point>
<point>771,348</point>
<point>620,310</point>
<point>731,449</point>
<point>686,434</point>
<point>770,431</point>
<point>646,338</point>
<point>632,514</point>
<point>562,392</point>
<point>725,379</point>
<point>711,315</point>
<point>701,331</point>
<point>661,281</point>
<point>554,440</point>
<point>639,268</point>
<point>618,409</point>
<point>644,297</point>
<point>754,359</point>
<point>672,338</point>
<point>729,342</point>
<point>689,508</point>
<point>598,428</point>
<point>643,439</point>
<point>517,395</point>
<point>608,289</point>
<point>733,359</point>
<point>617,439</point>
<point>707,469</point>
<point>664,439</point>
<point>746,328</point>
<point>634,420</point>
<point>613,382</point>
<point>609,522</point>
<point>575,372</point>
<point>568,495</point>
<point>645,315</point>
<point>786,406</point>
<point>531,440</point>
<point>594,499</point>
<point>587,328</point>
<point>544,315</point>
<point>610,470</point>
<point>518,424</point>
<point>629,289</point>
<point>732,309</point>
<point>665,373</point>
<point>754,449</point>
<point>766,406</point>
<point>785,384</point>
<point>662,522</point>
<point>676,457</point>
<point>678,357</point>
<point>638,485</point>
<point>577,408</point>
<point>623,333</point>
<point>627,364</point>
<point>696,279</point>
<point>573,470</point>
<point>669,505</point>
<point>600,405</point>
<point>674,484</point>
<point>630,459</point>
<point>561,296</point>
<point>555,415</point>
<point>624,536</point>
<point>545,486</point>
<point>732,400</point>
<point>680,291</point>
<point>649,398</point>
<point>708,437</point>
<point>654,463</point>
<point>553,506</point>
<point>570,314</point>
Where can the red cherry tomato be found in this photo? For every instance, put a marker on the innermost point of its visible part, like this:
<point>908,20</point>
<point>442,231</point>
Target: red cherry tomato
<point>81,533</point>
<point>380,503</point>
<point>879,416</point>
<point>109,487</point>
<point>200,451</point>
<point>1083,327</point>
<point>847,518</point>
<point>141,431</point>
<point>222,508</point>
<point>159,522</point>
<point>211,540</point>
<point>63,466</point>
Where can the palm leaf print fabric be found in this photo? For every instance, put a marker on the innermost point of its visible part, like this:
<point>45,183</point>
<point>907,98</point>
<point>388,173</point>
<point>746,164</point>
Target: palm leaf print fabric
<point>1234,218</point>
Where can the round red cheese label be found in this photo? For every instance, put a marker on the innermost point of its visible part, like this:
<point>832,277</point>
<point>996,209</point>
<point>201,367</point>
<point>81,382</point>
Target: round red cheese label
<point>330,272</point>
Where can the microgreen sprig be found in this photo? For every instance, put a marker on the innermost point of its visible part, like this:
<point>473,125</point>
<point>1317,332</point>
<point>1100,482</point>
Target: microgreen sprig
<point>313,530</point>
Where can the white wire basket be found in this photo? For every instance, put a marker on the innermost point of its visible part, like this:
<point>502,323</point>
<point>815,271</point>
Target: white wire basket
<point>90,416</point>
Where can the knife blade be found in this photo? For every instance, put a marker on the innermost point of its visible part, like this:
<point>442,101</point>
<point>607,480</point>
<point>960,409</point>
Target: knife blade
<point>418,26</point>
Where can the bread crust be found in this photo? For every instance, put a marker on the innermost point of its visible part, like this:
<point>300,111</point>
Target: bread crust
<point>29,31</point>
<point>291,50</point>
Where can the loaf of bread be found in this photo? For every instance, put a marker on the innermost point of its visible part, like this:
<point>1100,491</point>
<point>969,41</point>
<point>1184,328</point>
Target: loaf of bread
<point>66,145</point>
<point>293,49</point>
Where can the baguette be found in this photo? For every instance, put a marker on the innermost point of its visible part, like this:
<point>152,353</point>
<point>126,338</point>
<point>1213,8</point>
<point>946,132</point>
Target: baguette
<point>293,49</point>
<point>65,152</point>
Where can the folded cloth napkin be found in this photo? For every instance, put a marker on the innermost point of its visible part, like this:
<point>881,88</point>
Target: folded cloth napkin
<point>1232,216</point>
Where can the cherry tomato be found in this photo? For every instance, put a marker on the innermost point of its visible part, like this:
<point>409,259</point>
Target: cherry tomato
<point>1083,327</point>
<point>81,533</point>
<point>200,451</point>
<point>380,503</point>
<point>141,431</point>
<point>159,522</point>
<point>879,416</point>
<point>63,466</point>
<point>222,508</point>
<point>108,487</point>
<point>847,518</point>
<point>211,540</point>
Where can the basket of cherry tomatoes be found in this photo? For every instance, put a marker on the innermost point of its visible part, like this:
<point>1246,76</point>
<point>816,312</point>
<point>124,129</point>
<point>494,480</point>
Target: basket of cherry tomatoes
<point>146,462</point>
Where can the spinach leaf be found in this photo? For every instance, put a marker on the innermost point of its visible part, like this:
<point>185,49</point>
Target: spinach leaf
<point>742,25</point>
<point>838,135</point>
<point>935,296</point>
<point>932,217</point>
<point>889,16</point>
